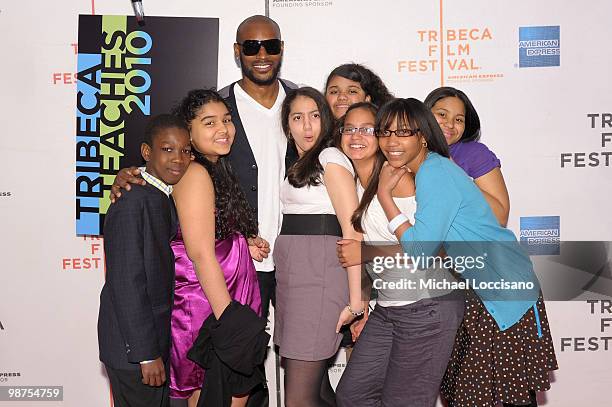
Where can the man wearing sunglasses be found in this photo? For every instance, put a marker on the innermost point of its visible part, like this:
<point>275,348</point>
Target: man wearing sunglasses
<point>260,153</point>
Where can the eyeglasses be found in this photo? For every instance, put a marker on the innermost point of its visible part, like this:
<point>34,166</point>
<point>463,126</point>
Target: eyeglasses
<point>251,47</point>
<point>364,131</point>
<point>398,133</point>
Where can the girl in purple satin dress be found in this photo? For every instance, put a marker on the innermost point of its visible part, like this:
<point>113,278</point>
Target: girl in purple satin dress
<point>213,257</point>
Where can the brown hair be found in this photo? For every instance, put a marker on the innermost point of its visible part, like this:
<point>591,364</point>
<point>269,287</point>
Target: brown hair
<point>307,169</point>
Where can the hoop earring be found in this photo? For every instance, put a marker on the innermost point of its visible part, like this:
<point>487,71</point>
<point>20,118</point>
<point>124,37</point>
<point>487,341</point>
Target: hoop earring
<point>424,143</point>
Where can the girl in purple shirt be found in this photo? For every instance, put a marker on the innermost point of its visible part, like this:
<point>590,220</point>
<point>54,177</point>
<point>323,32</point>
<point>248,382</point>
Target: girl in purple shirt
<point>460,124</point>
<point>478,373</point>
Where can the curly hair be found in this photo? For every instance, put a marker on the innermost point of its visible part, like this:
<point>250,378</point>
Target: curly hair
<point>371,83</point>
<point>232,210</point>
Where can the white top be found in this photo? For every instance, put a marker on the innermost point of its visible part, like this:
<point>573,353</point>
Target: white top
<point>269,145</point>
<point>374,223</point>
<point>314,199</point>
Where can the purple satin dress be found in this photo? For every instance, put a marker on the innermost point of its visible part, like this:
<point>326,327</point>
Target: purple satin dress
<point>191,308</point>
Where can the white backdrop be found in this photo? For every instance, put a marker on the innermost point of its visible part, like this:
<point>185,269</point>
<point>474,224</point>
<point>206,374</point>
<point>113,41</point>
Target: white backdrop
<point>50,279</point>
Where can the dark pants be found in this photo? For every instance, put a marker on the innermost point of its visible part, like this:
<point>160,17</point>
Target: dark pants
<point>267,290</point>
<point>401,355</point>
<point>259,397</point>
<point>129,391</point>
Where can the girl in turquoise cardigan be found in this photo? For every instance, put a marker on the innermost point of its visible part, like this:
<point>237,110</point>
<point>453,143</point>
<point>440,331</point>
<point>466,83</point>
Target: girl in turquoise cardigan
<point>503,349</point>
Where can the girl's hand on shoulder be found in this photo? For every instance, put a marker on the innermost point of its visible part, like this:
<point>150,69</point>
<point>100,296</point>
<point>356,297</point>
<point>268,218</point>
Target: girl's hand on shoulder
<point>124,178</point>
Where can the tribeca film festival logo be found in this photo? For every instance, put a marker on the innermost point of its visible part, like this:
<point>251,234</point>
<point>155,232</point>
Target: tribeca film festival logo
<point>539,46</point>
<point>66,78</point>
<point>452,52</point>
<point>599,121</point>
<point>94,260</point>
<point>301,3</point>
<point>541,234</point>
<point>601,309</point>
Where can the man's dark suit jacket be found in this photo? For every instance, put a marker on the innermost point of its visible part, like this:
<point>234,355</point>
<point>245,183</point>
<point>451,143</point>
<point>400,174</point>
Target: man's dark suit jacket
<point>136,300</point>
<point>241,155</point>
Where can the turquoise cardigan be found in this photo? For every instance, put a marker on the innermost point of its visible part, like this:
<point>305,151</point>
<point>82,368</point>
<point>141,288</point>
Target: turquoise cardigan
<point>453,214</point>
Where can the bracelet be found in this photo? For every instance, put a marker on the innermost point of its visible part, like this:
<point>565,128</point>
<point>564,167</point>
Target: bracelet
<point>397,222</point>
<point>355,314</point>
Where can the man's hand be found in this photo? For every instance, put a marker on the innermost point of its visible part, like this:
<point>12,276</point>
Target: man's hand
<point>259,248</point>
<point>124,178</point>
<point>153,373</point>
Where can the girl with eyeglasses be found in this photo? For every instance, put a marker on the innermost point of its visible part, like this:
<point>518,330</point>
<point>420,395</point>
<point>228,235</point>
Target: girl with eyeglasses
<point>315,296</point>
<point>410,331</point>
<point>346,85</point>
<point>503,351</point>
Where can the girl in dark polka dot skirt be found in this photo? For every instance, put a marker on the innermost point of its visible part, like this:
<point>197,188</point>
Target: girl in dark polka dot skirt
<point>489,363</point>
<point>503,350</point>
<point>489,366</point>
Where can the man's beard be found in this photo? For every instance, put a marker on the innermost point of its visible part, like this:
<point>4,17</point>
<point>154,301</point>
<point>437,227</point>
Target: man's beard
<point>261,82</point>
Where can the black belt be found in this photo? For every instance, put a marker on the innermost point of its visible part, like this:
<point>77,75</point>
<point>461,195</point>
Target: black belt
<point>311,225</point>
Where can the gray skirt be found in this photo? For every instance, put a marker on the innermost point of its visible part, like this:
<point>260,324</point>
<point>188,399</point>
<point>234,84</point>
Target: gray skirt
<point>311,291</point>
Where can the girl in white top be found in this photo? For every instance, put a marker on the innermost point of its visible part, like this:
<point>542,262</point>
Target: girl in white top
<point>403,351</point>
<point>314,199</point>
<point>315,295</point>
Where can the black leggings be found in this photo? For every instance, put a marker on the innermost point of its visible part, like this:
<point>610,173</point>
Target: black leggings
<point>307,384</point>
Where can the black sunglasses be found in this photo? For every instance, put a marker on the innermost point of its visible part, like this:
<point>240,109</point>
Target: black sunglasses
<point>251,47</point>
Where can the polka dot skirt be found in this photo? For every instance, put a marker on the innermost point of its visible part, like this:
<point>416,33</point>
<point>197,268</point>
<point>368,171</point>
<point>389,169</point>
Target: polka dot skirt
<point>488,366</point>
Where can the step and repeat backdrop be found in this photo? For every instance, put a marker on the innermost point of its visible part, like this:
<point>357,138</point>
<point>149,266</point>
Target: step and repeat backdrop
<point>536,72</point>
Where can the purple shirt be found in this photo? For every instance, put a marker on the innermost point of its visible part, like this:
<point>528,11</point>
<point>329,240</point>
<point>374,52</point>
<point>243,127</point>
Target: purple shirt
<point>474,158</point>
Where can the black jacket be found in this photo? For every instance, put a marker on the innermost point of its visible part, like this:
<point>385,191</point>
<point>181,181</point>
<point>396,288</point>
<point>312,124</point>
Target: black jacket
<point>136,300</point>
<point>232,351</point>
<point>241,156</point>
